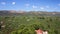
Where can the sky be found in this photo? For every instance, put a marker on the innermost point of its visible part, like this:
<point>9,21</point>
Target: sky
<point>29,5</point>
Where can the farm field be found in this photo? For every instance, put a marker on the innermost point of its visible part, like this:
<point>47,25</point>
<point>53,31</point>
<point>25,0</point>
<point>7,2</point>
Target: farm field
<point>28,24</point>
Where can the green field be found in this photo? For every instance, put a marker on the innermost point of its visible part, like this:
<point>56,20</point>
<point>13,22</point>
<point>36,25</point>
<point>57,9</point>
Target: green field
<point>28,24</point>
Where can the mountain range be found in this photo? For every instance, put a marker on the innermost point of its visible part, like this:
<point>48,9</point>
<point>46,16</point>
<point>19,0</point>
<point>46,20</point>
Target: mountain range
<point>15,13</point>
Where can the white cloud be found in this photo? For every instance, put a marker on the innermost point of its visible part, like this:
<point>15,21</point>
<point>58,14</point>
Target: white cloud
<point>41,7</point>
<point>56,8</point>
<point>34,6</point>
<point>13,3</point>
<point>27,5</point>
<point>47,6</point>
<point>58,4</point>
<point>3,3</point>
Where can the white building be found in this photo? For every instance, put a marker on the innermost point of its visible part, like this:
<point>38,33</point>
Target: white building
<point>45,32</point>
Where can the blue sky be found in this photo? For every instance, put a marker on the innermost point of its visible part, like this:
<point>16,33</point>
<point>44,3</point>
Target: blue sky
<point>28,5</point>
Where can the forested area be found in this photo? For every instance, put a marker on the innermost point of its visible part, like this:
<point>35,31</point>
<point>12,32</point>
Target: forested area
<point>28,24</point>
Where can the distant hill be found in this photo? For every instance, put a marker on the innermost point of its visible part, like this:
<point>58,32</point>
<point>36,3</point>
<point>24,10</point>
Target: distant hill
<point>15,13</point>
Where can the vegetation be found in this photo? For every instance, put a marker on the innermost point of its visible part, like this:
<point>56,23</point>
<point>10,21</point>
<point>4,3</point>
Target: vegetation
<point>28,24</point>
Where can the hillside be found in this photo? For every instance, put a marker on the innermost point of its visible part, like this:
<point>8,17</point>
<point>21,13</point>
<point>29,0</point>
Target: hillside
<point>15,13</point>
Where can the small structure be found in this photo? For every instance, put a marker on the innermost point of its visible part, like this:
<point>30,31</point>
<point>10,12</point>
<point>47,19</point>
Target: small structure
<point>39,31</point>
<point>45,32</point>
<point>28,19</point>
<point>1,22</point>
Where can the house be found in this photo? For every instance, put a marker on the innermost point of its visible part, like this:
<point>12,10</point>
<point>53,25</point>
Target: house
<point>39,31</point>
<point>45,32</point>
